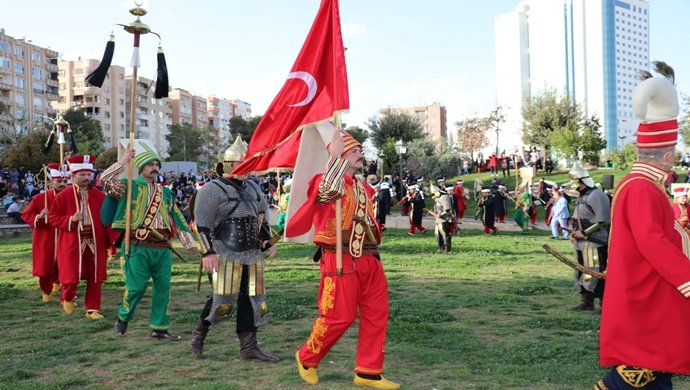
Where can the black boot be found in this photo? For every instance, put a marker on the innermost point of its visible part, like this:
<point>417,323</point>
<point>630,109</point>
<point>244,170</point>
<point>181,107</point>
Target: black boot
<point>196,344</point>
<point>249,350</point>
<point>601,306</point>
<point>587,303</point>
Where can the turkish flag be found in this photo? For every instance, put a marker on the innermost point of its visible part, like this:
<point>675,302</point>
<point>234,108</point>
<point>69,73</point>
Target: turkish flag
<point>315,89</point>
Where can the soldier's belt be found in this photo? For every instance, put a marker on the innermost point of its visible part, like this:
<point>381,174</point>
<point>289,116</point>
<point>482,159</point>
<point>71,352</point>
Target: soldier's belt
<point>238,234</point>
<point>368,249</point>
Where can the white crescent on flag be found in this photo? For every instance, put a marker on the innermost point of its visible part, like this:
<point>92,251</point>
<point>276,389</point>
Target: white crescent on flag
<point>311,85</point>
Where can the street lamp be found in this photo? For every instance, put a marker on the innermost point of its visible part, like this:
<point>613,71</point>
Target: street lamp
<point>400,150</point>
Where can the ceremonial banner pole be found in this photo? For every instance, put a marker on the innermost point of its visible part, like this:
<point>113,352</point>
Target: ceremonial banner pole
<point>137,28</point>
<point>338,217</point>
<point>45,189</point>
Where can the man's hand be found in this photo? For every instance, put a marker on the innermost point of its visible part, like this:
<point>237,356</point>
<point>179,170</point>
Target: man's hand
<point>128,155</point>
<point>210,262</point>
<point>43,213</point>
<point>76,217</point>
<point>115,188</point>
<point>271,252</point>
<point>336,147</point>
<point>578,235</point>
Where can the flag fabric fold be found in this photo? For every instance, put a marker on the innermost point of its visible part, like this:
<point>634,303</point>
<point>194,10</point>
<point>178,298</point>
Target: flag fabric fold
<point>315,88</point>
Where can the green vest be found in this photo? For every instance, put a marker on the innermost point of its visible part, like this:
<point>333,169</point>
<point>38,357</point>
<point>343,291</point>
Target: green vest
<point>113,210</point>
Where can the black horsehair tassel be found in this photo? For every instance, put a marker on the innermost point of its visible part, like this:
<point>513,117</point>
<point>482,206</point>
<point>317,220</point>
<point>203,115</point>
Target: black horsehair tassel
<point>162,84</point>
<point>72,142</point>
<point>97,77</point>
<point>49,143</point>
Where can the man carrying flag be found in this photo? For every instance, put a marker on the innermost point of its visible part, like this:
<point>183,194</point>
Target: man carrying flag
<point>315,90</point>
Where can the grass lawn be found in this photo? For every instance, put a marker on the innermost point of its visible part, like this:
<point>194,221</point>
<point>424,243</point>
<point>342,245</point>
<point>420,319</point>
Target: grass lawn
<point>491,315</point>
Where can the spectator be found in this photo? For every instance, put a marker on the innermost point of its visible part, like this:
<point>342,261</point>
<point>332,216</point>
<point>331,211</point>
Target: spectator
<point>14,210</point>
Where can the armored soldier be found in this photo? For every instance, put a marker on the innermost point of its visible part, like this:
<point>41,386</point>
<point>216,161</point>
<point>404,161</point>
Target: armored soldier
<point>230,214</point>
<point>591,219</point>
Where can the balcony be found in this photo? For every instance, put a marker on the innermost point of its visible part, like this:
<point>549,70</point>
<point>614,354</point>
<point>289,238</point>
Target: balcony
<point>5,70</point>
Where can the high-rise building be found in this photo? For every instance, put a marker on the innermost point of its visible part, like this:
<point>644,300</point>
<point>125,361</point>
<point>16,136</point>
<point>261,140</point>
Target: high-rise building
<point>589,50</point>
<point>181,105</point>
<point>432,118</point>
<point>153,118</point>
<point>28,84</point>
<point>219,113</point>
<point>242,108</point>
<point>105,104</point>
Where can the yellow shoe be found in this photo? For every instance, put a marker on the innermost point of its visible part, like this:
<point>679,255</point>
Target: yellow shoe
<point>68,307</point>
<point>46,297</point>
<point>382,383</point>
<point>56,287</point>
<point>94,315</point>
<point>308,375</point>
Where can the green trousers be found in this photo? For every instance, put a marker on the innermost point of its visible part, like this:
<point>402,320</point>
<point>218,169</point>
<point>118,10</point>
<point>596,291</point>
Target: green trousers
<point>144,264</point>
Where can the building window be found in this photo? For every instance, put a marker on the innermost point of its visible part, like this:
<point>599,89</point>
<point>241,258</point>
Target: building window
<point>19,99</point>
<point>19,83</point>
<point>62,99</point>
<point>39,88</point>
<point>4,46</point>
<point>19,114</point>
<point>19,51</point>
<point>107,101</point>
<point>37,73</point>
<point>38,102</point>
<point>106,114</point>
<point>61,73</point>
<point>18,68</point>
<point>36,57</point>
<point>4,63</point>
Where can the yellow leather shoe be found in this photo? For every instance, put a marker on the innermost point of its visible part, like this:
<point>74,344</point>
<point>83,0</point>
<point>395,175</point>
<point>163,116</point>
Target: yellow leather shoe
<point>308,375</point>
<point>68,307</point>
<point>382,383</point>
<point>46,297</point>
<point>56,287</point>
<point>94,315</point>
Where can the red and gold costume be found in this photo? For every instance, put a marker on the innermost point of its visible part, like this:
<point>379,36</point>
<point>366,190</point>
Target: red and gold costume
<point>649,276</point>
<point>680,210</point>
<point>82,244</point>
<point>361,286</point>
<point>43,253</point>
<point>460,206</point>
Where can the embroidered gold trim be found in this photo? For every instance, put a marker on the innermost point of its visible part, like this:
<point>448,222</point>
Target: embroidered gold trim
<point>327,297</point>
<point>318,332</point>
<point>636,377</point>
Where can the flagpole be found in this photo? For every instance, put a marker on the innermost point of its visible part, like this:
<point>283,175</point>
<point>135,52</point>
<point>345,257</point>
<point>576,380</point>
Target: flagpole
<point>338,218</point>
<point>45,189</point>
<point>137,28</point>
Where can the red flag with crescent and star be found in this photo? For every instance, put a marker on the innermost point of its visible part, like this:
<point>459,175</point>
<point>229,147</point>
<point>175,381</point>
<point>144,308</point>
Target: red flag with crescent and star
<point>315,89</point>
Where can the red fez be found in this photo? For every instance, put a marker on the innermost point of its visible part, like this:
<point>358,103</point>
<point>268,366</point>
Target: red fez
<point>79,162</point>
<point>657,134</point>
<point>54,170</point>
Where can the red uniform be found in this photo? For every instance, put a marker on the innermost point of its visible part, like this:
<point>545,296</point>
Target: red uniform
<point>680,213</point>
<point>81,253</point>
<point>360,288</point>
<point>460,205</point>
<point>43,253</point>
<point>645,320</point>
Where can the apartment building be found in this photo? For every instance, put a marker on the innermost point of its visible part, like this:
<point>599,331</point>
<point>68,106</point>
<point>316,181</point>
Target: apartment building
<point>219,113</point>
<point>433,118</point>
<point>153,118</point>
<point>28,84</point>
<point>241,108</point>
<point>181,106</point>
<point>589,50</point>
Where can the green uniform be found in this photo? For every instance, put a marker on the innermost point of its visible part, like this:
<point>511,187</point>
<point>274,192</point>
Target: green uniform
<point>152,205</point>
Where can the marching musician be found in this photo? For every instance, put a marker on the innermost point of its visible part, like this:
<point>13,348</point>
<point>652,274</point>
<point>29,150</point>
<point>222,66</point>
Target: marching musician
<point>680,206</point>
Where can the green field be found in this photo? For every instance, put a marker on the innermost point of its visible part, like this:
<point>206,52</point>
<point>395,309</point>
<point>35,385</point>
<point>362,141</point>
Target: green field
<point>491,315</point>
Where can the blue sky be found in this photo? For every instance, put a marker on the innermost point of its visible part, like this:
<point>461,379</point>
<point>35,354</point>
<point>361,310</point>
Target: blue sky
<point>400,52</point>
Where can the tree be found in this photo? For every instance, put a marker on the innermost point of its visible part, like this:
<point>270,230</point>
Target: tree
<point>546,113</point>
<point>591,140</point>
<point>87,132</point>
<point>27,153</point>
<point>623,159</point>
<point>107,158</point>
<point>395,126</point>
<point>472,135</point>
<point>432,159</point>
<point>684,125</point>
<point>386,131</point>
<point>186,143</point>
<point>496,118</point>
<point>358,133</point>
<point>244,128</point>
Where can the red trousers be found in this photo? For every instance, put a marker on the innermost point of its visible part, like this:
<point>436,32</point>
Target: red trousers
<point>46,282</point>
<point>92,299</point>
<point>362,286</point>
<point>418,227</point>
